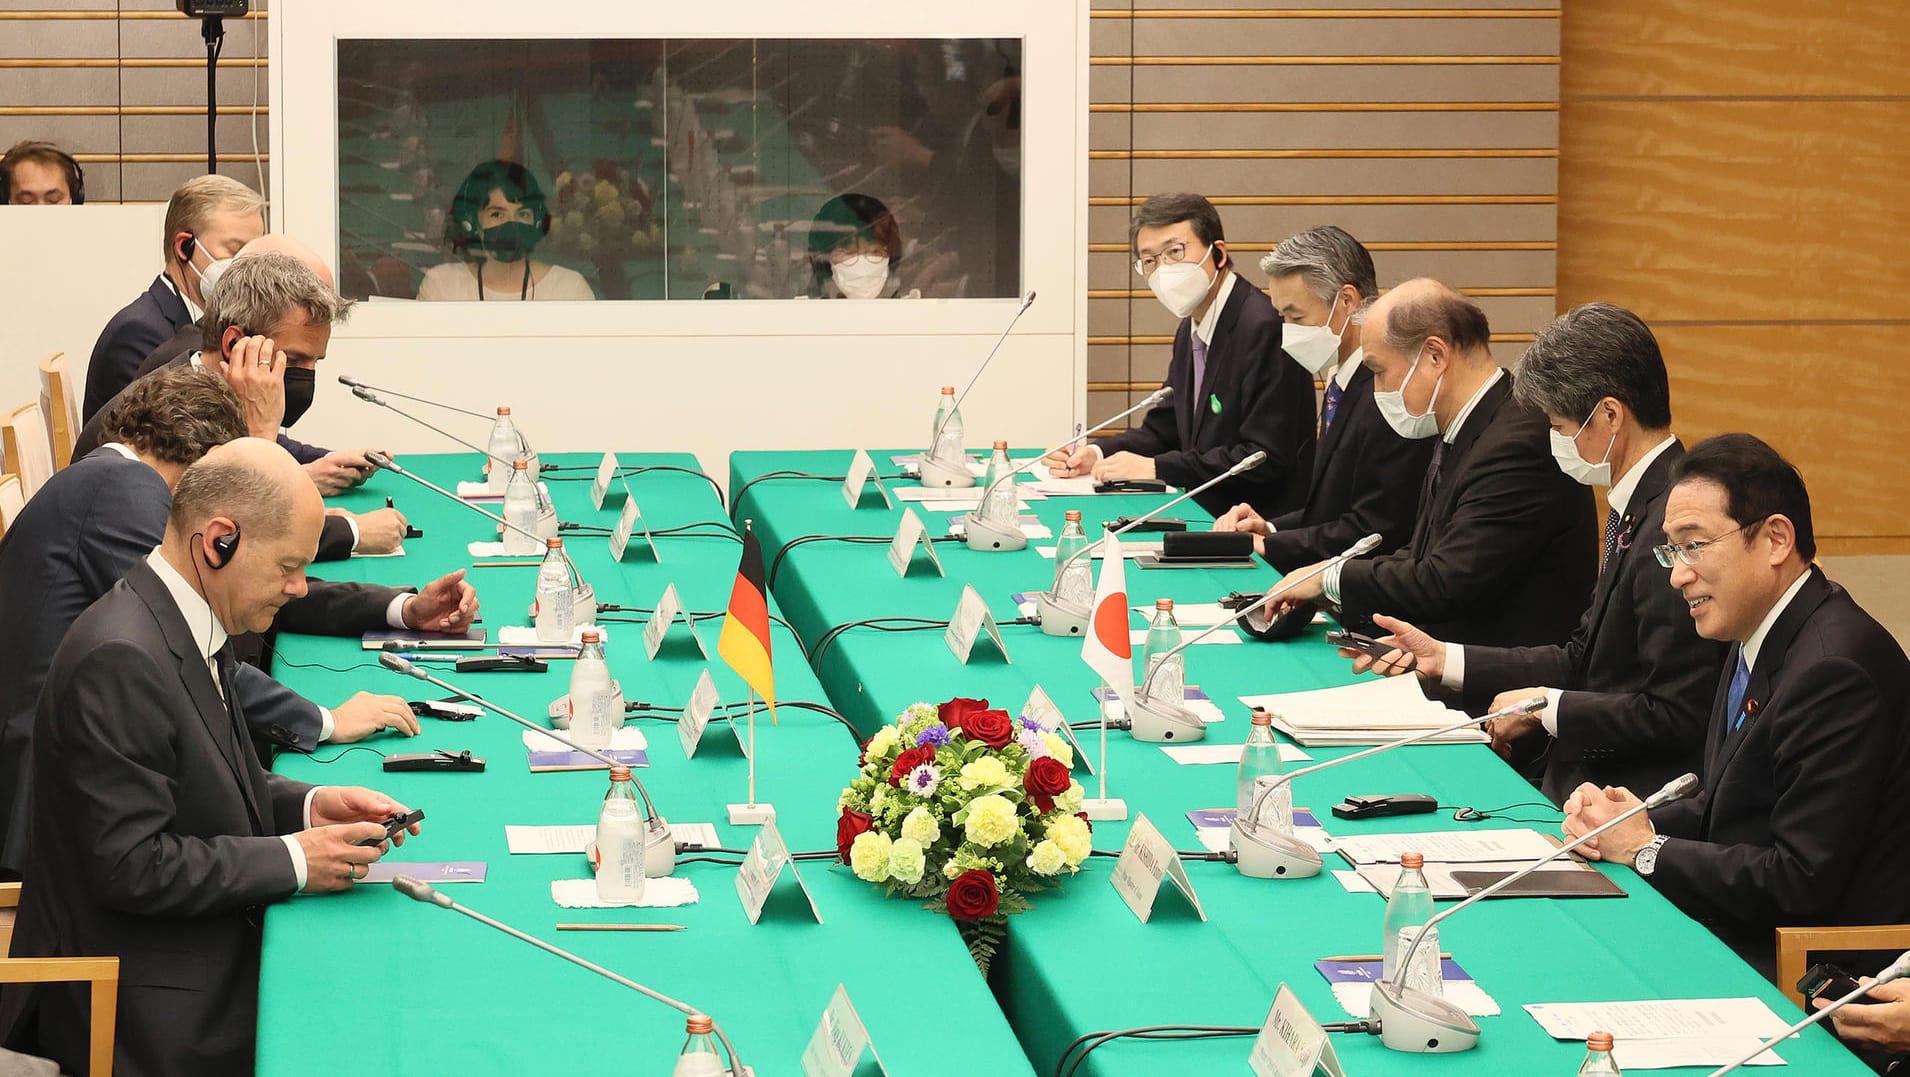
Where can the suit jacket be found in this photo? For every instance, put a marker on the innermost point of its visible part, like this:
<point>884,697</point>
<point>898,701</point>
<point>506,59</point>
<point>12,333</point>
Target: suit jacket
<point>1366,481</point>
<point>1505,548</point>
<point>1265,401</point>
<point>1637,678</point>
<point>132,334</point>
<point>152,841</point>
<point>1805,812</point>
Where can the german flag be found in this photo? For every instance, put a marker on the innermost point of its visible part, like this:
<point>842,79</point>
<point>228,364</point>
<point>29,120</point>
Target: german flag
<point>744,643</point>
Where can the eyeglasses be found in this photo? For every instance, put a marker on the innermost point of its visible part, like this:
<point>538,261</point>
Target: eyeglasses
<point>1691,552</point>
<point>1172,254</point>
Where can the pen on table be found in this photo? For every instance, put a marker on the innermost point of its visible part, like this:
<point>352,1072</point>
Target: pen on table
<point>1372,957</point>
<point>620,927</point>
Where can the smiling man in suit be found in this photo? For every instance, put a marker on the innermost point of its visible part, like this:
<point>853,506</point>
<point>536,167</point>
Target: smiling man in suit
<point>1235,391</point>
<point>1628,696</point>
<point>1807,759</point>
<point>157,836</point>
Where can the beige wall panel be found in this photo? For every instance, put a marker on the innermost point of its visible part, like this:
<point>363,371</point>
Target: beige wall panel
<point>1107,362</point>
<point>187,134</point>
<point>60,38</point>
<point>156,182</point>
<point>1363,82</point>
<point>1109,37</point>
<point>62,86</point>
<point>1108,179</point>
<point>187,86</point>
<point>1517,314</point>
<point>1108,130</point>
<point>1112,317</point>
<point>1470,223</point>
<point>74,134</point>
<point>1461,269</point>
<point>1311,5</point>
<point>1329,130</point>
<point>1343,37</point>
<point>181,38</point>
<point>1347,176</point>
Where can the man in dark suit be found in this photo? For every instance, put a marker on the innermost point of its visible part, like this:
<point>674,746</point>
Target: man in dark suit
<point>93,520</point>
<point>1628,697</point>
<point>1505,548</point>
<point>1365,477</point>
<point>157,835</point>
<point>1807,760</point>
<point>1235,391</point>
<point>208,219</point>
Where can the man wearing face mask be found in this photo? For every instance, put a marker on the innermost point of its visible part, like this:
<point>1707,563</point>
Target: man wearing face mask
<point>207,221</point>
<point>1628,695</point>
<point>1235,391</point>
<point>1365,476</point>
<point>379,531</point>
<point>1504,549</point>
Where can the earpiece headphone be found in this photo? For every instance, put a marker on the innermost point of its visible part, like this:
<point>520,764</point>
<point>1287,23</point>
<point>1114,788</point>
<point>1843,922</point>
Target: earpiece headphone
<point>75,176</point>
<point>227,545</point>
<point>187,248</point>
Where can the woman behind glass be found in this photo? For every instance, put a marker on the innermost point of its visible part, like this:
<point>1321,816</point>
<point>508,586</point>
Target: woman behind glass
<point>497,218</point>
<point>854,247</point>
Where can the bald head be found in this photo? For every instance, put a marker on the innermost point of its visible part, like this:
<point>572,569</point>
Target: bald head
<point>245,523</point>
<point>280,243</point>
<point>251,481</point>
<point>1423,309</point>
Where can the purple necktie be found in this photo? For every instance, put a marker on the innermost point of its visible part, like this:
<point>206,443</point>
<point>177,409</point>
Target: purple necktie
<point>1200,364</point>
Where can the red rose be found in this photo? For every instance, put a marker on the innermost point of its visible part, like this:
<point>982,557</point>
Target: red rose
<point>1046,779</point>
<point>849,824</point>
<point>952,712</point>
<point>1083,816</point>
<point>993,728</point>
<point>972,896</point>
<point>909,760</point>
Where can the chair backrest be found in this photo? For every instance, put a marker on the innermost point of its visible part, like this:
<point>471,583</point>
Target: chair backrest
<point>29,453</point>
<point>1799,947</point>
<point>12,500</point>
<point>60,406</point>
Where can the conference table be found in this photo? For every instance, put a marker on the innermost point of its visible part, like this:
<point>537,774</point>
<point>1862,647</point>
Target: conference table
<point>368,981</point>
<point>1082,961</point>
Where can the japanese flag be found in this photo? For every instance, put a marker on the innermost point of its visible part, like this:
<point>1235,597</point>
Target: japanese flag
<point>1108,649</point>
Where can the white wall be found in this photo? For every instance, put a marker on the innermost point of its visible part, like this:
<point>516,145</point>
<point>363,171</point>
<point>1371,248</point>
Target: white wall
<point>709,377</point>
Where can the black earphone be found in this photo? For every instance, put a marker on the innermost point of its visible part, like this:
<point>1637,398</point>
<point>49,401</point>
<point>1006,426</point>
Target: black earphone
<point>227,545</point>
<point>75,176</point>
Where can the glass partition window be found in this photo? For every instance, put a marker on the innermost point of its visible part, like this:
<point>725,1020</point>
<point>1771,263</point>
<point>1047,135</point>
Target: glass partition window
<point>542,169</point>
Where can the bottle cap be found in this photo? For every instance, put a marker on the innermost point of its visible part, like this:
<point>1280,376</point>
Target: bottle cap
<point>503,411</point>
<point>619,774</point>
<point>948,390</point>
<point>1073,516</point>
<point>1262,718</point>
<point>1598,1041</point>
<point>1163,603</point>
<point>1001,446</point>
<point>520,465</point>
<point>591,635</point>
<point>701,1025</point>
<point>1412,860</point>
<point>553,543</point>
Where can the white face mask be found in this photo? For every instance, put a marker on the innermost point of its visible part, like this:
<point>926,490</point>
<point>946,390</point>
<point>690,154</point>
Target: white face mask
<point>209,277</point>
<point>1316,347</point>
<point>1565,451</point>
<point>1181,286</point>
<point>862,276</point>
<point>1393,406</point>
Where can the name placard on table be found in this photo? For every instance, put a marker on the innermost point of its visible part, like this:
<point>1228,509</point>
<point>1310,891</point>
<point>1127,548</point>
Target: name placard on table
<point>1146,859</point>
<point>668,609</point>
<point>837,1045</point>
<point>855,483</point>
<point>762,866</point>
<point>909,534</point>
<point>972,619</point>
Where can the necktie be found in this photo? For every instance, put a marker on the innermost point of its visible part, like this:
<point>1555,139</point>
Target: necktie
<point>1612,523</point>
<point>1200,365</point>
<point>1432,475</point>
<point>1330,405</point>
<point>1740,680</point>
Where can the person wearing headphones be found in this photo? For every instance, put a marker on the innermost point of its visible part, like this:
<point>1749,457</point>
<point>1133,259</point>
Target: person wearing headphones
<point>41,174</point>
<point>497,218</point>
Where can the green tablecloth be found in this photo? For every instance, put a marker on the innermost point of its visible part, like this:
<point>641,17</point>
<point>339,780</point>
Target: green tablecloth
<point>371,982</point>
<point>1082,962</point>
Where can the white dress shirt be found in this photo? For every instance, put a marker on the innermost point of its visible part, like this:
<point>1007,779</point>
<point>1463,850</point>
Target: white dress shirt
<point>1756,643</point>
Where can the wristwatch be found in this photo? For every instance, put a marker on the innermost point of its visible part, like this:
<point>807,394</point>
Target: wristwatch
<point>1646,861</point>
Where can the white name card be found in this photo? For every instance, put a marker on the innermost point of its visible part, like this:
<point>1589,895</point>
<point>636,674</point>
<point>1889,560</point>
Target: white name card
<point>629,521</point>
<point>600,486</point>
<point>1146,859</point>
<point>762,866</point>
<point>855,483</point>
<point>909,534</point>
<point>839,1041</point>
<point>697,715</point>
<point>669,608</point>
<point>1043,710</point>
<point>1291,1043</point>
<point>970,621</point>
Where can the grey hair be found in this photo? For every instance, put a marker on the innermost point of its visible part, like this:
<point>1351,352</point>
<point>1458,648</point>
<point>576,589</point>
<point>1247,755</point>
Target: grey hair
<point>193,205</point>
<point>257,292</point>
<point>1590,352</point>
<point>217,486</point>
<point>1327,259</point>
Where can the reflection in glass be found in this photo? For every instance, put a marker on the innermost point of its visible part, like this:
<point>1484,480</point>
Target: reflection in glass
<point>634,169</point>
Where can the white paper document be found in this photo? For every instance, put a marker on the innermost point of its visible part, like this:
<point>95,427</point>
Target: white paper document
<point>1449,846</point>
<point>1369,703</point>
<point>1357,998</point>
<point>1353,882</point>
<point>1196,754</point>
<point>624,739</point>
<point>1670,1032</point>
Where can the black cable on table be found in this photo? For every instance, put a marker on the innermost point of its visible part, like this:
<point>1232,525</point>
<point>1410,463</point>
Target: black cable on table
<point>1469,814</point>
<point>697,615</point>
<point>342,754</point>
<point>709,860</point>
<point>881,624</point>
<point>624,473</point>
<point>1063,1068</point>
<point>769,476</point>
<point>776,562</point>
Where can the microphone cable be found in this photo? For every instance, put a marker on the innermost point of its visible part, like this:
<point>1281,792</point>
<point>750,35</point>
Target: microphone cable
<point>767,476</point>
<point>698,615</point>
<point>1064,1068</point>
<point>895,624</point>
<point>1228,857</point>
<point>664,714</point>
<point>776,562</point>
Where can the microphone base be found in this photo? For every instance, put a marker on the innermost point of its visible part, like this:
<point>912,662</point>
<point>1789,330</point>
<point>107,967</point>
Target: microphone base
<point>751,814</point>
<point>986,535</point>
<point>947,476</point>
<point>1104,809</point>
<point>1265,853</point>
<point>1418,1023</point>
<point>1061,618</point>
<point>659,850</point>
<point>1160,722</point>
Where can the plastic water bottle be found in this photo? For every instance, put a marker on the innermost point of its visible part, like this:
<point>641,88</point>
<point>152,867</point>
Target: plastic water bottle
<point>1260,758</point>
<point>1163,636</point>
<point>591,722</point>
<point>520,513</point>
<point>699,1057</point>
<point>503,447</point>
<point>999,482</point>
<point>1598,1057</point>
<point>1073,579</point>
<point>947,433</point>
<point>1410,906</point>
<point>556,602</point>
<point>620,841</point>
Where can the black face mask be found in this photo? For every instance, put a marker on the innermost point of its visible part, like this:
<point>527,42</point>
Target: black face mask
<point>300,384</point>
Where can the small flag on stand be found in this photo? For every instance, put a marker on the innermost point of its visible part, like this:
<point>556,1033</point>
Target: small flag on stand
<point>1107,648</point>
<point>744,644</point>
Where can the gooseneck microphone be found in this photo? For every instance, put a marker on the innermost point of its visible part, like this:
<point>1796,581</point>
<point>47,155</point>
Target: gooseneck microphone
<point>1266,853</point>
<point>1895,970</point>
<point>1060,617</point>
<point>983,533</point>
<point>369,397</point>
<point>430,895</point>
<point>380,460</point>
<point>954,473</point>
<point>354,383</point>
<point>1417,1022</point>
<point>659,848</point>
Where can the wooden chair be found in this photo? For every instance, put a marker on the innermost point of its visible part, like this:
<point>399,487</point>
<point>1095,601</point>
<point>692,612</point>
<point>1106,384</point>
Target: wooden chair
<point>12,500</point>
<point>60,406</point>
<point>101,972</point>
<point>1799,947</point>
<point>29,453</point>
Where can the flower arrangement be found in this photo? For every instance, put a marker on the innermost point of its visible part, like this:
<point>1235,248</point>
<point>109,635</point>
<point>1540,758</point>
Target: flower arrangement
<point>967,807</point>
